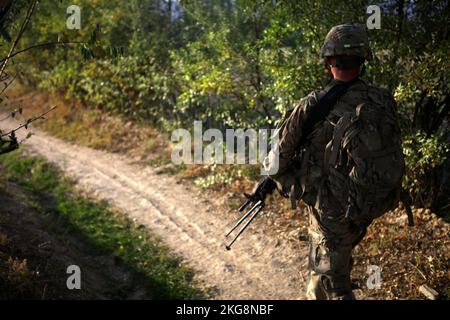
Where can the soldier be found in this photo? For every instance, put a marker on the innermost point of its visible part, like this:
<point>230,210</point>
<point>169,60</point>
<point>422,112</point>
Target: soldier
<point>339,150</point>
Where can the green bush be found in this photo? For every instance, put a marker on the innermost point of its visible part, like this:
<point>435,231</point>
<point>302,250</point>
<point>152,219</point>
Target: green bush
<point>424,158</point>
<point>130,86</point>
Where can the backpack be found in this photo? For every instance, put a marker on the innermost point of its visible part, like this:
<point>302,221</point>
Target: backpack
<point>364,161</point>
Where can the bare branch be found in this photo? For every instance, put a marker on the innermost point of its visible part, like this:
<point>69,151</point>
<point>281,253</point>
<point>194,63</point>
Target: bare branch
<point>19,36</point>
<point>40,45</point>
<point>12,114</point>
<point>27,123</point>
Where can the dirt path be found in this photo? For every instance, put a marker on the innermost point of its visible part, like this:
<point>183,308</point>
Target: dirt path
<point>187,222</point>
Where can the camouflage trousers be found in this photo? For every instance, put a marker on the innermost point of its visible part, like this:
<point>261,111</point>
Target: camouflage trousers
<point>331,240</point>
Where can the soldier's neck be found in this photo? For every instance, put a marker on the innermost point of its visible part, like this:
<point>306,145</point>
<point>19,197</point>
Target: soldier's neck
<point>345,75</point>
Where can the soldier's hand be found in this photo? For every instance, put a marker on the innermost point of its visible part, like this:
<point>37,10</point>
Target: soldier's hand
<point>264,187</point>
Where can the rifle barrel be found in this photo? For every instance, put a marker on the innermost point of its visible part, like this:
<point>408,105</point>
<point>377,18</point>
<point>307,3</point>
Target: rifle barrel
<point>261,205</point>
<point>244,204</point>
<point>243,218</point>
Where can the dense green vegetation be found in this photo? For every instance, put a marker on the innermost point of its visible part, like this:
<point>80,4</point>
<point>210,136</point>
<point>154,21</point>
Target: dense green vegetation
<point>163,275</point>
<point>242,64</point>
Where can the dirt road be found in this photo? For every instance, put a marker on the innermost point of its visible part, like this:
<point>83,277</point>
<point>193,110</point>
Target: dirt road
<point>191,225</point>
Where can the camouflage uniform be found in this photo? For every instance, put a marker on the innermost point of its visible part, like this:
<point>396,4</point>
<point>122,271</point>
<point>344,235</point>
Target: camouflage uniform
<point>325,189</point>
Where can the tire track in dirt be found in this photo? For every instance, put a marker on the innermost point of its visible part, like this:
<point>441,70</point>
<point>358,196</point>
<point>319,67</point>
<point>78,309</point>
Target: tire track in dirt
<point>253,269</point>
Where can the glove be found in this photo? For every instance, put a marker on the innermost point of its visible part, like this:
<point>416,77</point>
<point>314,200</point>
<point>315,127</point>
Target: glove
<point>264,187</point>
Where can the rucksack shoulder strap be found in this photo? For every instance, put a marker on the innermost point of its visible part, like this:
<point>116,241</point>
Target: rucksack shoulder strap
<point>322,108</point>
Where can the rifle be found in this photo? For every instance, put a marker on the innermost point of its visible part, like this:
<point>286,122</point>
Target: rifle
<point>257,201</point>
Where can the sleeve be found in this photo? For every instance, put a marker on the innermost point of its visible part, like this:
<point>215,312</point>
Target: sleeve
<point>279,164</point>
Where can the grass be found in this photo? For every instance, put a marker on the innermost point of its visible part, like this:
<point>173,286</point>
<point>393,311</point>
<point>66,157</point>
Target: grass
<point>107,232</point>
<point>16,279</point>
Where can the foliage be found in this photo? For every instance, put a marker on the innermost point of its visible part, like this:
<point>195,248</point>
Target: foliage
<point>219,177</point>
<point>128,85</point>
<point>424,156</point>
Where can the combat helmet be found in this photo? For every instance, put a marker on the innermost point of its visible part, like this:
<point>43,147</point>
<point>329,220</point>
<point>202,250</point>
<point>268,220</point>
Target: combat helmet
<point>347,40</point>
